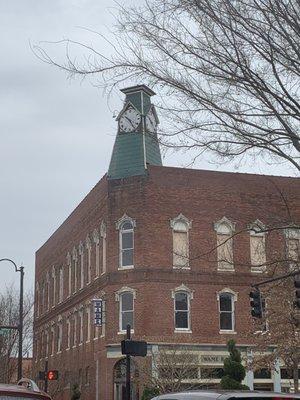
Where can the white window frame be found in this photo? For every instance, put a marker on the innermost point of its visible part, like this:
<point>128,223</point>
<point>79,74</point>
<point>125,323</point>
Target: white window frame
<point>96,240</point>
<point>61,284</point>
<point>69,265</point>
<point>257,229</point>
<point>81,254</point>
<point>119,295</point>
<point>225,227</point>
<point>190,295</point>
<point>59,335</point>
<point>88,317</point>
<point>292,233</point>
<point>233,316</point>
<point>80,339</point>
<point>68,333</point>
<point>120,223</point>
<point>181,224</point>
<point>75,260</point>
<point>75,329</point>
<point>88,245</point>
<point>104,244</point>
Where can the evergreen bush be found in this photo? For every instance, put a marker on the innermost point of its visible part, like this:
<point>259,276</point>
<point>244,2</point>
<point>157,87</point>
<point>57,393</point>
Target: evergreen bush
<point>234,371</point>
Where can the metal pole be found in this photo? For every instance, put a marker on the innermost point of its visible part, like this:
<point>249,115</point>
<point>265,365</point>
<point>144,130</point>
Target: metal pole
<point>20,355</point>
<point>46,377</point>
<point>128,383</point>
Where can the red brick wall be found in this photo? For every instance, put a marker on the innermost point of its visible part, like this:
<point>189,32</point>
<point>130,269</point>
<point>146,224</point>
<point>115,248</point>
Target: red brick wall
<point>203,197</point>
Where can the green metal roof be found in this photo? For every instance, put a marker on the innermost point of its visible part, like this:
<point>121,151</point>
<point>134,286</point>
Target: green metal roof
<point>133,151</point>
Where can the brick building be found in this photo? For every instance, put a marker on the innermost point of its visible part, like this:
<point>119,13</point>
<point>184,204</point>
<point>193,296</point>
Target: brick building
<point>158,245</point>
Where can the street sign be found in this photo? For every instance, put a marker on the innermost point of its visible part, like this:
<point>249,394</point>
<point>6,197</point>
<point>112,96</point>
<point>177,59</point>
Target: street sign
<point>134,348</point>
<point>98,311</point>
<point>4,331</point>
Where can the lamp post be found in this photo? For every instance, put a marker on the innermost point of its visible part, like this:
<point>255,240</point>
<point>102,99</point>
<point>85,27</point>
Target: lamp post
<point>20,325</point>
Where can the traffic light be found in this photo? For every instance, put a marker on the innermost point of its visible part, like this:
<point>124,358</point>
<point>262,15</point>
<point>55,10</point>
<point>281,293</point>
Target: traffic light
<point>297,291</point>
<point>52,375</point>
<point>256,303</point>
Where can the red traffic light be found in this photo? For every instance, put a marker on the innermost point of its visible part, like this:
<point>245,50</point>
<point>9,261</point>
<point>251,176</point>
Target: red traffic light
<point>52,375</point>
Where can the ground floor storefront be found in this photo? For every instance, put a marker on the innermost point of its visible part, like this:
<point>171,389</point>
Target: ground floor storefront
<point>102,375</point>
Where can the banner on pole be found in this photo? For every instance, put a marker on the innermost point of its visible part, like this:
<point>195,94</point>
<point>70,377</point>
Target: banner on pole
<point>98,311</point>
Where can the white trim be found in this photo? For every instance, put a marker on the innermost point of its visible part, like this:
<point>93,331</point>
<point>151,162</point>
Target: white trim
<point>189,295</point>
<point>257,228</point>
<point>224,222</point>
<point>125,218</point>
<point>181,218</point>
<point>233,300</point>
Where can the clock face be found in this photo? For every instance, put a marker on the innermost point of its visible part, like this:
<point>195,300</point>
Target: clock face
<point>130,120</point>
<point>151,124</point>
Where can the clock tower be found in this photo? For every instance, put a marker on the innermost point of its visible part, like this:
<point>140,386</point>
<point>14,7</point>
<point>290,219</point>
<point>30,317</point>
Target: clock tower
<point>136,144</point>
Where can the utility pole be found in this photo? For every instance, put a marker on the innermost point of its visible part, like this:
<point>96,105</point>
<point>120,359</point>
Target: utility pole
<point>20,324</point>
<point>128,383</point>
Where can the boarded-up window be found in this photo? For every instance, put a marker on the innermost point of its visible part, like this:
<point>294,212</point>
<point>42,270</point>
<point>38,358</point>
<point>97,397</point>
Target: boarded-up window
<point>294,249</point>
<point>257,252</point>
<point>225,229</point>
<point>180,249</point>
<point>225,252</point>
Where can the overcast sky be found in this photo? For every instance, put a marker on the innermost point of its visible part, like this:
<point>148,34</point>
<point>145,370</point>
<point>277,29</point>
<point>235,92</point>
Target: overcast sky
<point>56,134</point>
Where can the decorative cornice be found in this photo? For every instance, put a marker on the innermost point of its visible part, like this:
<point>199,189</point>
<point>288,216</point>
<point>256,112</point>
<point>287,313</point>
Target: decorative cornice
<point>96,236</point>
<point>224,226</point>
<point>125,289</point>
<point>103,229</point>
<point>125,218</point>
<point>81,248</point>
<point>88,242</point>
<point>227,290</point>
<point>74,253</point>
<point>183,288</point>
<point>181,219</point>
<point>257,228</point>
<point>292,233</point>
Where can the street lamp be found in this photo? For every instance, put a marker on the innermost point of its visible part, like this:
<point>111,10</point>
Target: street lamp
<point>20,325</point>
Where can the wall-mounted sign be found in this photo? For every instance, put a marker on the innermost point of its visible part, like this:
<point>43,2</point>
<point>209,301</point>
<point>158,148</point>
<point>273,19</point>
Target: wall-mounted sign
<point>212,359</point>
<point>98,311</point>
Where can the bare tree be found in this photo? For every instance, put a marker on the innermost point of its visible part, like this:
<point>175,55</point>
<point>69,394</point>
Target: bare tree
<point>9,315</point>
<point>172,368</point>
<point>228,72</point>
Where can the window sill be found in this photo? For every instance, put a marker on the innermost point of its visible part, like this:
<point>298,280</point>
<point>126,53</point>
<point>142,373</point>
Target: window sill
<point>80,344</point>
<point>225,332</point>
<point>225,270</point>
<point>68,348</point>
<point>124,332</point>
<point>102,273</point>
<point>125,268</point>
<point>258,270</point>
<point>182,331</point>
<point>59,352</point>
<point>183,268</point>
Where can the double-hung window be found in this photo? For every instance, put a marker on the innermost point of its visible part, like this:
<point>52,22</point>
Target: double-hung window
<point>226,309</point>
<point>126,311</point>
<point>182,311</point>
<point>126,244</point>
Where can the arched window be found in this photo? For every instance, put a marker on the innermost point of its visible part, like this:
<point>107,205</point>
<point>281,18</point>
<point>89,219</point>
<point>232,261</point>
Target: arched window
<point>257,246</point>
<point>126,297</point>
<point>225,230</point>
<point>126,310</point>
<point>182,297</point>
<point>180,226</point>
<point>126,227</point>
<point>226,310</point>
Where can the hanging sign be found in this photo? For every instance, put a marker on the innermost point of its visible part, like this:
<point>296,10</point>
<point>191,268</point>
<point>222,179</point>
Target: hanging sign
<point>98,311</point>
